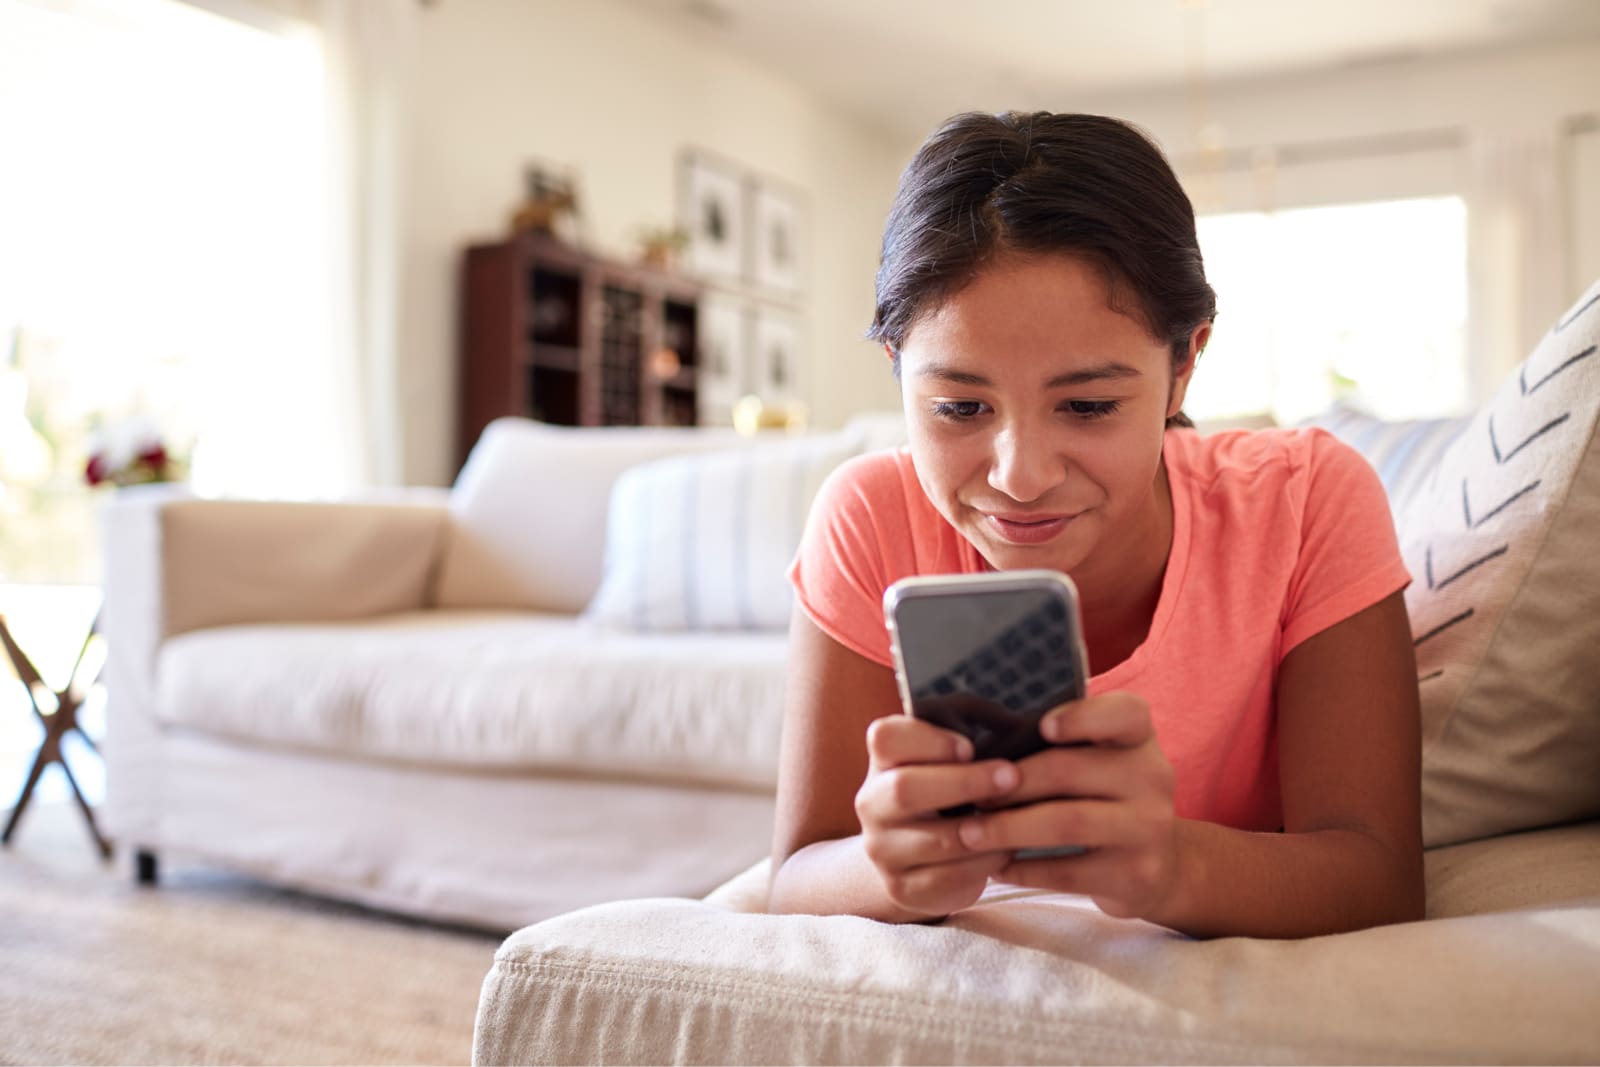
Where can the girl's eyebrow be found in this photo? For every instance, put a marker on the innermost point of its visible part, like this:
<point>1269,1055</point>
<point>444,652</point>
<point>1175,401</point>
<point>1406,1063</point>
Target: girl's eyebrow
<point>1098,373</point>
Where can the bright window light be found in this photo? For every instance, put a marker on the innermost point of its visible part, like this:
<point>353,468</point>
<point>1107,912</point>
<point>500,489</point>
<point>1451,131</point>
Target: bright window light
<point>1361,303</point>
<point>165,225</point>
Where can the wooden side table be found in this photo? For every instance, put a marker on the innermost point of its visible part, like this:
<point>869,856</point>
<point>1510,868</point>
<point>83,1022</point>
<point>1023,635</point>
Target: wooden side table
<point>56,725</point>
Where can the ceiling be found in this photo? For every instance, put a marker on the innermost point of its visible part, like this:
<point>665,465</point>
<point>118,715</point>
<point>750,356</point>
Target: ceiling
<point>905,64</point>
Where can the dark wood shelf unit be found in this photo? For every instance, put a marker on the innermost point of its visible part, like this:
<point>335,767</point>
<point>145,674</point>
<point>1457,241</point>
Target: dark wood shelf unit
<point>551,333</point>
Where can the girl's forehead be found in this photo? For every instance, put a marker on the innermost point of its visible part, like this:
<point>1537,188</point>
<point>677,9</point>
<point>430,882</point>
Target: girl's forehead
<point>1049,309</point>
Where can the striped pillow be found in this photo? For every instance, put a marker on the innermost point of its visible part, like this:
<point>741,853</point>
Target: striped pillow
<point>1403,453</point>
<point>704,542</point>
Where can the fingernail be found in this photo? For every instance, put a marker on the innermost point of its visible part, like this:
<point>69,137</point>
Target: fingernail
<point>1006,777</point>
<point>1050,728</point>
<point>972,833</point>
<point>963,749</point>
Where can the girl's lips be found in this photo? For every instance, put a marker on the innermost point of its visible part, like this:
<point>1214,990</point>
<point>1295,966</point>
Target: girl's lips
<point>1020,530</point>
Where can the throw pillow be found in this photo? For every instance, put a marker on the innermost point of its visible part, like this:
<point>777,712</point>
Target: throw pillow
<point>1497,516</point>
<point>527,510</point>
<point>704,542</point>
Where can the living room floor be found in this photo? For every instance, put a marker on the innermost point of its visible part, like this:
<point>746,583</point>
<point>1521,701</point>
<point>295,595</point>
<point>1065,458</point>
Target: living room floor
<point>213,968</point>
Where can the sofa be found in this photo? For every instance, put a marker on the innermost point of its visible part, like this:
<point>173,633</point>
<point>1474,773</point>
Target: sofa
<point>1498,514</point>
<point>429,701</point>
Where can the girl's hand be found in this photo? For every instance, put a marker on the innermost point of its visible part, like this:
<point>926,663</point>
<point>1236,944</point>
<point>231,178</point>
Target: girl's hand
<point>1111,792</point>
<point>917,769</point>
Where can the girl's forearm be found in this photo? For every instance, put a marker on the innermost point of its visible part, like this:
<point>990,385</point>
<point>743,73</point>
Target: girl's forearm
<point>833,878</point>
<point>1234,883</point>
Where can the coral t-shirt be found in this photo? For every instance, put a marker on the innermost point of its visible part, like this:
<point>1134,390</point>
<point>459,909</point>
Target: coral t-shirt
<point>1276,536</point>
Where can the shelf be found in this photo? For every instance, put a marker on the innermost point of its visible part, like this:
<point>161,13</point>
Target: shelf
<point>555,357</point>
<point>551,332</point>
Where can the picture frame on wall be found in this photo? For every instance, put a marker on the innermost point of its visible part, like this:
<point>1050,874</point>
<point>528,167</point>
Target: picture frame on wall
<point>775,356</point>
<point>712,207</point>
<point>724,364</point>
<point>776,238</point>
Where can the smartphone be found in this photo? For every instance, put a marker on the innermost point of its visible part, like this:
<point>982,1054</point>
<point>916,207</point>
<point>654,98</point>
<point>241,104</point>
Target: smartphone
<point>987,655</point>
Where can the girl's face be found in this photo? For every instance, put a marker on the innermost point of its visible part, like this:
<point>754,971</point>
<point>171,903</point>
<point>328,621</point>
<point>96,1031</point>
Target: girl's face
<point>1036,414</point>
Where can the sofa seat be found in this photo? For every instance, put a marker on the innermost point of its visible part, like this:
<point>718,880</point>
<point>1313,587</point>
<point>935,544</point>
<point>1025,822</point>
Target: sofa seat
<point>1030,976</point>
<point>488,689</point>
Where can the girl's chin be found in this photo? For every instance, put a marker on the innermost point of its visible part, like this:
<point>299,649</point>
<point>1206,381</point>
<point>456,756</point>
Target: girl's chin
<point>1008,557</point>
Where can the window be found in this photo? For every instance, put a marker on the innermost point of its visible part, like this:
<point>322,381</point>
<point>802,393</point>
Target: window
<point>164,210</point>
<point>1364,303</point>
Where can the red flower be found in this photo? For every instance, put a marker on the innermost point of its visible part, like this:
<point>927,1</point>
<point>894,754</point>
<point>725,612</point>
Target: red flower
<point>155,456</point>
<point>96,471</point>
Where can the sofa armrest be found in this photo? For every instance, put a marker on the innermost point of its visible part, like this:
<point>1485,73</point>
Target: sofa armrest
<point>226,562</point>
<point>176,563</point>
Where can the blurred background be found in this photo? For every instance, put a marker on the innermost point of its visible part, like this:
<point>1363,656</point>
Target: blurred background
<point>233,230</point>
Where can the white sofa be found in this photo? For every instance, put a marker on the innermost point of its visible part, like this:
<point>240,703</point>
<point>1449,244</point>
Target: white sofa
<point>399,702</point>
<point>1498,515</point>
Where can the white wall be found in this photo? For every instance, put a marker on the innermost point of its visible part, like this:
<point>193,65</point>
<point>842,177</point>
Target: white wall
<point>615,94</point>
<point>1496,128</point>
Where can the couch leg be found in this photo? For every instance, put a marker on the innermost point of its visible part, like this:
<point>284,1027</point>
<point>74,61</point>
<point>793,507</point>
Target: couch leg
<point>145,868</point>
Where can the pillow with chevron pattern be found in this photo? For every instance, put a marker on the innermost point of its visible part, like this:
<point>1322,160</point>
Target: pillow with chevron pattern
<point>1499,521</point>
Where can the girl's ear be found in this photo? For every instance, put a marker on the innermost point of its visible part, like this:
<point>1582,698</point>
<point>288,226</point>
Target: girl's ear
<point>888,351</point>
<point>1182,374</point>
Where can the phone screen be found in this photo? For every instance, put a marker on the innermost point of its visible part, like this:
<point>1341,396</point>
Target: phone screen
<point>989,663</point>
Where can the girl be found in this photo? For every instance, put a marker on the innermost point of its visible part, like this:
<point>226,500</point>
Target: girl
<point>1246,762</point>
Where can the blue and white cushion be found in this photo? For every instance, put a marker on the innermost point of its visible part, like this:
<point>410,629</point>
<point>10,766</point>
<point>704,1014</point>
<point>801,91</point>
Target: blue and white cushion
<point>704,542</point>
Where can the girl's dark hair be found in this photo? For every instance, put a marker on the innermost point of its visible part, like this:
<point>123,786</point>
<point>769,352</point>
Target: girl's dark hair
<point>1087,186</point>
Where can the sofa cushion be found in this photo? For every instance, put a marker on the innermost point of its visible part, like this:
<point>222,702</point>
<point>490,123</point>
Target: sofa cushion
<point>1497,517</point>
<point>704,542</point>
<point>529,506</point>
<point>1532,869</point>
<point>489,690</point>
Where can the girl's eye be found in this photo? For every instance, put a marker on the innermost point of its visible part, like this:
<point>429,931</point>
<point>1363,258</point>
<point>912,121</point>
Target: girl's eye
<point>1093,409</point>
<point>957,410</point>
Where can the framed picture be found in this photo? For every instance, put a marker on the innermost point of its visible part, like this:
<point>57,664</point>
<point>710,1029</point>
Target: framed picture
<point>724,362</point>
<point>775,238</point>
<point>712,203</point>
<point>775,356</point>
<point>723,342</point>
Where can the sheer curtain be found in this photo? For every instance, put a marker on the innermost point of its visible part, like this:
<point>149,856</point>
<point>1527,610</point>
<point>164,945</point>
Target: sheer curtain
<point>368,46</point>
<point>365,54</point>
<point>1518,247</point>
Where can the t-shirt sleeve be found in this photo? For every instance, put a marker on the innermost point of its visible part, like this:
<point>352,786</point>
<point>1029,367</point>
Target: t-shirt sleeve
<point>840,572</point>
<point>1349,554</point>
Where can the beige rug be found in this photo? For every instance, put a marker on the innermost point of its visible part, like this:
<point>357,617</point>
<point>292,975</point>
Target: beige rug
<point>212,968</point>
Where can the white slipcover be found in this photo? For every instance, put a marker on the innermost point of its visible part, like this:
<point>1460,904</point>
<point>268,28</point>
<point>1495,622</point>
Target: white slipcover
<point>489,689</point>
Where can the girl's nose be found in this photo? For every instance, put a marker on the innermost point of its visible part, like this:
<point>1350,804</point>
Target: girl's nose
<point>1024,467</point>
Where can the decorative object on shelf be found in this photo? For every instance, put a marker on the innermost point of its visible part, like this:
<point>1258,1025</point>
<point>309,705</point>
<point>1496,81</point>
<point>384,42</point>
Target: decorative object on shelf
<point>712,198</point>
<point>662,246</point>
<point>751,415</point>
<point>665,364</point>
<point>549,204</point>
<point>775,231</point>
<point>131,451</point>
